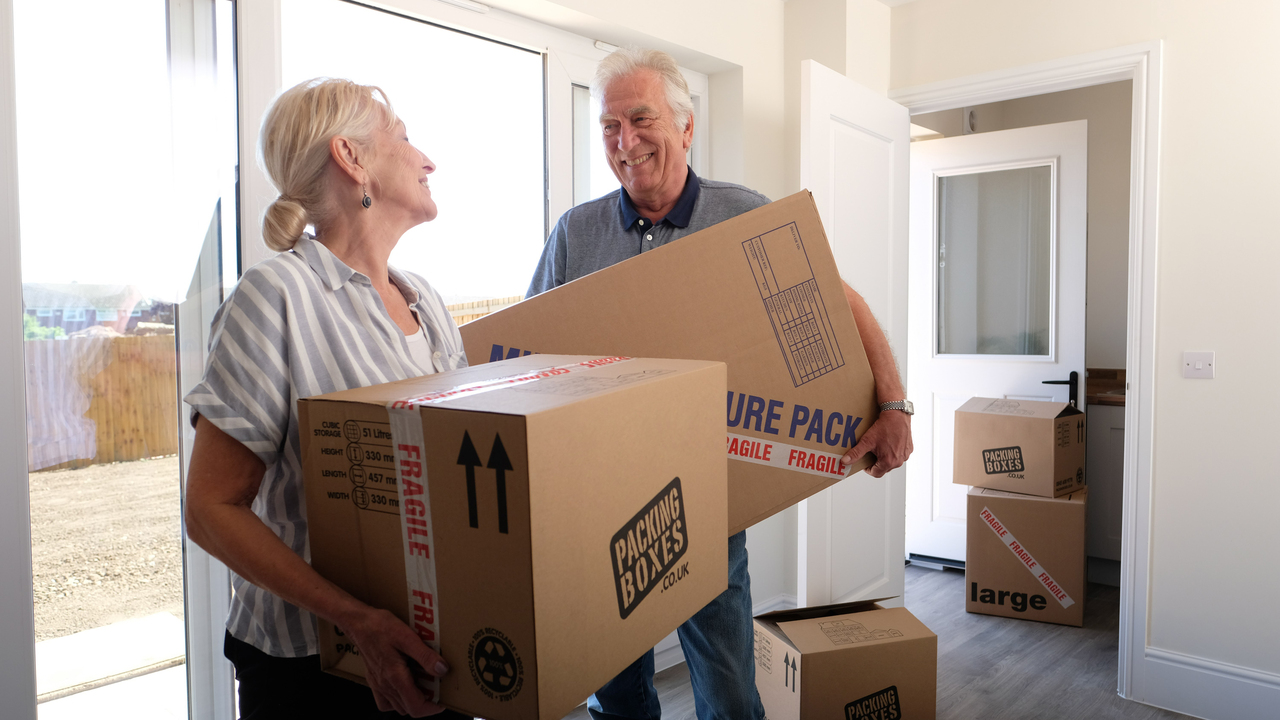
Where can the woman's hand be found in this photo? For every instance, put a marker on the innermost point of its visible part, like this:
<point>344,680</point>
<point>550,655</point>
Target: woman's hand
<point>222,482</point>
<point>388,647</point>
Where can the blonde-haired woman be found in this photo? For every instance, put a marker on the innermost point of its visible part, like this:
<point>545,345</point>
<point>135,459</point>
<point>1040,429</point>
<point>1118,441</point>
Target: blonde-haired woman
<point>326,314</point>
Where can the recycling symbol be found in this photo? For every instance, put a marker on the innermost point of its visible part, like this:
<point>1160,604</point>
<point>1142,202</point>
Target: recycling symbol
<point>494,664</point>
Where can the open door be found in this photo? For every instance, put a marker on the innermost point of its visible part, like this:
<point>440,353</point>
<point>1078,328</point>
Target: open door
<point>854,155</point>
<point>998,231</point>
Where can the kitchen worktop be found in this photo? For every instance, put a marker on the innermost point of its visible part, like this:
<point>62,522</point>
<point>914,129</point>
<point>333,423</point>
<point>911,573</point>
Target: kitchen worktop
<point>1105,386</point>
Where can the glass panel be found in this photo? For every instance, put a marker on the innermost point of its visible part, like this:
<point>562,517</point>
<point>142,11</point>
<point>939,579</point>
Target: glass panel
<point>475,107</point>
<point>995,247</point>
<point>104,271</point>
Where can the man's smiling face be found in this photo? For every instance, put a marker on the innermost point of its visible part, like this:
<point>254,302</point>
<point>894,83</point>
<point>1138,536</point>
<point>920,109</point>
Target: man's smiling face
<point>642,137</point>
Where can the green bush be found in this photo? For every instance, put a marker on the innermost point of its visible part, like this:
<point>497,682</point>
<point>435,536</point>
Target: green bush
<point>33,330</point>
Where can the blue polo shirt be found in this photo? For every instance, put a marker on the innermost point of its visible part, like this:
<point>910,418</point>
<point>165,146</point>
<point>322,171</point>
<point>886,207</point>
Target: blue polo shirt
<point>608,230</point>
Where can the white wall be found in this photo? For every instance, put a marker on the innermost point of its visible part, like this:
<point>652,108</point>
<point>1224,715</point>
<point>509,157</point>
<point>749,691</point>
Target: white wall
<point>1215,460</point>
<point>1108,110</point>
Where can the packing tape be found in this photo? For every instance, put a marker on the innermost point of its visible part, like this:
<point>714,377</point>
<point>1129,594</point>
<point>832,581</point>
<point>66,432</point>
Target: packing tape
<point>1025,558</point>
<point>787,457</point>
<point>415,531</point>
<point>483,386</point>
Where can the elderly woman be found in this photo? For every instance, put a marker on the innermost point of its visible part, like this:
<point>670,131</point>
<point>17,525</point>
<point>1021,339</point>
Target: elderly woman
<point>326,314</point>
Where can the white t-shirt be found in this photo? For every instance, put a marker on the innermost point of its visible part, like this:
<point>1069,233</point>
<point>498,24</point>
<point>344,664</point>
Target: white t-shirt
<point>419,348</point>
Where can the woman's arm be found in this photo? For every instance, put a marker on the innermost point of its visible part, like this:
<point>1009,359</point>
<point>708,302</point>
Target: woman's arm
<point>223,481</point>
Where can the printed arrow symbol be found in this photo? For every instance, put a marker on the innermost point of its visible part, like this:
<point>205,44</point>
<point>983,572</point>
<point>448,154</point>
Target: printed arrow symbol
<point>470,458</point>
<point>793,674</point>
<point>499,463</point>
<point>785,679</point>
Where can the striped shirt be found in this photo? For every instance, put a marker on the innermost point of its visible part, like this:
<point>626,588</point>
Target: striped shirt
<point>297,325</point>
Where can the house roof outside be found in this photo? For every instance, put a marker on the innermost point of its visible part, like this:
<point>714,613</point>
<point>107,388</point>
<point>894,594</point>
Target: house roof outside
<point>69,296</point>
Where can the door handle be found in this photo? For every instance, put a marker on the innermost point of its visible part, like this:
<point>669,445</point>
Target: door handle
<point>1073,387</point>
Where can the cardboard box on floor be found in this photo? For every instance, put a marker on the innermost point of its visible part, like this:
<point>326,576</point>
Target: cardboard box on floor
<point>1022,446</point>
<point>574,509</point>
<point>1024,556</point>
<point>759,292</point>
<point>854,661</point>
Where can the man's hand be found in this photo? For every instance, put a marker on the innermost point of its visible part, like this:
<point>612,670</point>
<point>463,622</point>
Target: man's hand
<point>888,439</point>
<point>387,645</point>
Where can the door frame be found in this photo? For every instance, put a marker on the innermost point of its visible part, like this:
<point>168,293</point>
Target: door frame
<point>1145,673</point>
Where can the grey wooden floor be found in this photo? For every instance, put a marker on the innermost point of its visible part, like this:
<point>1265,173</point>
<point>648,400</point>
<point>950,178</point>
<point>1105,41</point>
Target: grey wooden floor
<point>995,668</point>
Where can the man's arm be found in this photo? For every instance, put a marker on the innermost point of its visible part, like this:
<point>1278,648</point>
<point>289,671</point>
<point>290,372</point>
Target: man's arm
<point>550,271</point>
<point>889,438</point>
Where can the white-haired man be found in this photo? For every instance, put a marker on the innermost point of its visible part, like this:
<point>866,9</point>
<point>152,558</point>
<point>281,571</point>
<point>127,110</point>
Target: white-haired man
<point>647,123</point>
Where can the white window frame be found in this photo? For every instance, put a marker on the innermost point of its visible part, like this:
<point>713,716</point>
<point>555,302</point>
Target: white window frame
<point>17,622</point>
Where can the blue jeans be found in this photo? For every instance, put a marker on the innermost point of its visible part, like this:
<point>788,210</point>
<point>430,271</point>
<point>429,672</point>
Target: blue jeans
<point>718,644</point>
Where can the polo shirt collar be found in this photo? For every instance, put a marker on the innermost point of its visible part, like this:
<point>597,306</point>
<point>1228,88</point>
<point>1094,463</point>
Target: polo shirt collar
<point>680,216</point>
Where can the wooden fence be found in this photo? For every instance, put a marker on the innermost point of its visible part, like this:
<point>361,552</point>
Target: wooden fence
<point>100,400</point>
<point>466,312</point>
<point>111,399</point>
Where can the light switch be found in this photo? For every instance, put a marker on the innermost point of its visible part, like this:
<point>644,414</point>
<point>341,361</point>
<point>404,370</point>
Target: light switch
<point>1197,365</point>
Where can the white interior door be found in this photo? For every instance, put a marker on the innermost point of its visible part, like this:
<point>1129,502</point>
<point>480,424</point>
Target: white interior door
<point>854,158</point>
<point>998,229</point>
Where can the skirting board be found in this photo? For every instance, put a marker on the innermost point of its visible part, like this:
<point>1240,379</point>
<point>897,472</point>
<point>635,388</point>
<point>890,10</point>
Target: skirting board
<point>1208,688</point>
<point>668,653</point>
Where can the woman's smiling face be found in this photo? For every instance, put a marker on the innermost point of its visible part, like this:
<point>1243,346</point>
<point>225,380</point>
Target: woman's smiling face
<point>398,176</point>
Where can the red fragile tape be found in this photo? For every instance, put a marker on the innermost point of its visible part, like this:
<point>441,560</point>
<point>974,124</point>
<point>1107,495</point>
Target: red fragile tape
<point>1025,558</point>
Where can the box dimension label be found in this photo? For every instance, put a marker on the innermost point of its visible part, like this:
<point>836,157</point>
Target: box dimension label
<point>848,632</point>
<point>646,551</point>
<point>793,303</point>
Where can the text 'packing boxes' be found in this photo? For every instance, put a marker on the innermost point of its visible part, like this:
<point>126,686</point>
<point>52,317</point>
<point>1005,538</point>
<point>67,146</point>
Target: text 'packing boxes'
<point>855,661</point>
<point>759,292</point>
<point>1023,446</point>
<point>570,511</point>
<point>1024,556</point>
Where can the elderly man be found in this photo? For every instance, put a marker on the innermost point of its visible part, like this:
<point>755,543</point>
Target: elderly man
<point>647,123</point>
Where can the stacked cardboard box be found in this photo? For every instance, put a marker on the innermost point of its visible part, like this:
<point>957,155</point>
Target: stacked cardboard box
<point>759,292</point>
<point>541,521</point>
<point>1025,550</point>
<point>856,661</point>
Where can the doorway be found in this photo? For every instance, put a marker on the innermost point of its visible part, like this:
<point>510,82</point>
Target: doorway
<point>1142,65</point>
<point>1107,110</point>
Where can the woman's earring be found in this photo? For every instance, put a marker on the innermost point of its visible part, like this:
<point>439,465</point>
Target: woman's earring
<point>367,201</point>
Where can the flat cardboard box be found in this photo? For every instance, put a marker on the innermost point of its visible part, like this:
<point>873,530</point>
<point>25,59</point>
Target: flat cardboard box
<point>1022,446</point>
<point>759,292</point>
<point>1025,556</point>
<point>576,516</point>
<point>854,661</point>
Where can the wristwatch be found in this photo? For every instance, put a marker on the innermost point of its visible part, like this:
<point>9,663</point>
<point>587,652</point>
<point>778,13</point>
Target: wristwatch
<point>903,405</point>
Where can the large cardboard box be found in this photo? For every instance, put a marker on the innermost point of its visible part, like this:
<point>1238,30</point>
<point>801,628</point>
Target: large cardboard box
<point>854,661</point>
<point>544,521</point>
<point>1025,556</point>
<point>759,292</point>
<point>1023,446</point>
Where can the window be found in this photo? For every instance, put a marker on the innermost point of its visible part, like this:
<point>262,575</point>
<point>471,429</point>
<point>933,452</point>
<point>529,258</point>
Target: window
<point>474,106</point>
<point>480,260</point>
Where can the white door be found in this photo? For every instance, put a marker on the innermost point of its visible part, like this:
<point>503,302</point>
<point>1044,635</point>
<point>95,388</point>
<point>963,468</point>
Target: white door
<point>997,305</point>
<point>854,158</point>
